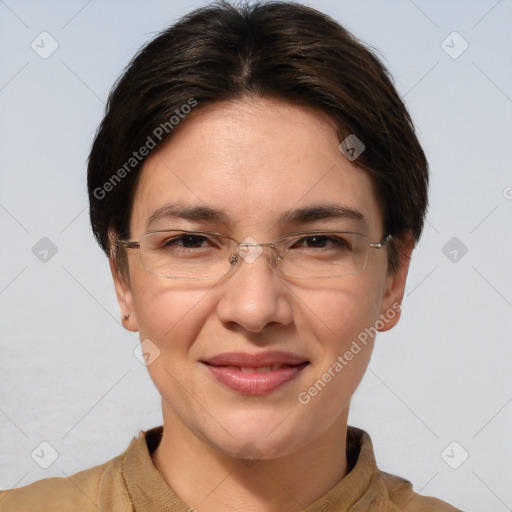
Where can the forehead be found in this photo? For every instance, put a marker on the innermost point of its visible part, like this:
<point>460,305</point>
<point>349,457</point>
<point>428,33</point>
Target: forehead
<point>253,160</point>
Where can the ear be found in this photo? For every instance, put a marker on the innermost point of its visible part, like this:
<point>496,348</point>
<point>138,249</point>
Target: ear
<point>124,295</point>
<point>391,305</point>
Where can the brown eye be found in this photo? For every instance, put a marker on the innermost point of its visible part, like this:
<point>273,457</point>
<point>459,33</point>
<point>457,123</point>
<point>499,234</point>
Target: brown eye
<point>187,241</point>
<point>321,241</point>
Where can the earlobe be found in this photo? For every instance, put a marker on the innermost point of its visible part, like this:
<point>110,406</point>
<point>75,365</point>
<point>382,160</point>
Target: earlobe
<point>124,297</point>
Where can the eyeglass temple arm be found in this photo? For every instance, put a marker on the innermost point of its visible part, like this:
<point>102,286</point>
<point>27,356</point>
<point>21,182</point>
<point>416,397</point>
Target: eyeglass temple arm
<point>129,245</point>
<point>378,245</point>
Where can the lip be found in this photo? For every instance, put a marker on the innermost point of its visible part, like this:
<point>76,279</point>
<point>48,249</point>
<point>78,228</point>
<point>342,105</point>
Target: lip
<point>242,359</point>
<point>226,369</point>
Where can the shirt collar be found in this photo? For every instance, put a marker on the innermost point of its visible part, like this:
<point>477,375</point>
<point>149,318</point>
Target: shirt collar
<point>362,486</point>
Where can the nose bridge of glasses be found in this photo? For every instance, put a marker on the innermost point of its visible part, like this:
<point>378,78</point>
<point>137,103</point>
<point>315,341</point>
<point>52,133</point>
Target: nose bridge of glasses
<point>250,249</point>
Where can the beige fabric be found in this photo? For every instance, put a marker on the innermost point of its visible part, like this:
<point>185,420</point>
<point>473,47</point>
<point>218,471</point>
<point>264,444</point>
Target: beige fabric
<point>130,482</point>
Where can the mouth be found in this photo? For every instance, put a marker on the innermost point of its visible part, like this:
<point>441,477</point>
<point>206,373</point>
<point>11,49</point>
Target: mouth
<point>255,374</point>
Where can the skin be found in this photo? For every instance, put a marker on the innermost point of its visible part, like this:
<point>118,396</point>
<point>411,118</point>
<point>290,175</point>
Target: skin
<point>254,159</point>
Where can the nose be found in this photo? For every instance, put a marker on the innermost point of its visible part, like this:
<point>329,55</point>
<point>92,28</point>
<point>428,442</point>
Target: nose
<point>253,296</point>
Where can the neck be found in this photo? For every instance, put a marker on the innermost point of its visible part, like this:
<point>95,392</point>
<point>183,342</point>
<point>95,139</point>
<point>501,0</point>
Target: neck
<point>208,481</point>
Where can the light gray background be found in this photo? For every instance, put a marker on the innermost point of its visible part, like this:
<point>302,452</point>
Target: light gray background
<point>68,373</point>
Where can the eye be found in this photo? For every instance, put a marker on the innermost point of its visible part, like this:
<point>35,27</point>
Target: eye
<point>187,241</point>
<point>321,241</point>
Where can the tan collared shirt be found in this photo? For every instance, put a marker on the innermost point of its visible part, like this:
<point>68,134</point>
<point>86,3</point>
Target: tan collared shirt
<point>131,483</point>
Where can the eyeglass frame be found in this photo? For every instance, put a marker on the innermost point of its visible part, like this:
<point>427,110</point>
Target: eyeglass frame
<point>235,257</point>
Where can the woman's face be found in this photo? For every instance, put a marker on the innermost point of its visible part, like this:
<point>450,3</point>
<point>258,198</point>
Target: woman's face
<point>256,163</point>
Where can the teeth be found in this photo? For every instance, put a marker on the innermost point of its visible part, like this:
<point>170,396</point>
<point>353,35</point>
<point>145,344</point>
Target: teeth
<point>261,369</point>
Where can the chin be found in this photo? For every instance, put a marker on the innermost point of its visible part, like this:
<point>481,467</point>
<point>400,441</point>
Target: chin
<point>260,435</point>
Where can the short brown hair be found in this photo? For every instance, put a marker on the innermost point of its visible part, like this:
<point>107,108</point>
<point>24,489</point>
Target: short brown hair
<point>266,49</point>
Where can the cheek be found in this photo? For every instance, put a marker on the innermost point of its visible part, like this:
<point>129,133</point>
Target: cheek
<point>169,313</point>
<point>340,323</point>
<point>338,313</point>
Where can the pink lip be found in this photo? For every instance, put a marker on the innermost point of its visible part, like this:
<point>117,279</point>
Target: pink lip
<point>226,369</point>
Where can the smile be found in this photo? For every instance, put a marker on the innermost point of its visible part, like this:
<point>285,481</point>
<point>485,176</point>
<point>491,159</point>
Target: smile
<point>255,374</point>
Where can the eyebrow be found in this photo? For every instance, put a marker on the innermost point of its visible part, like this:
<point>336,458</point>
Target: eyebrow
<point>322,212</point>
<point>177,211</point>
<point>305,215</point>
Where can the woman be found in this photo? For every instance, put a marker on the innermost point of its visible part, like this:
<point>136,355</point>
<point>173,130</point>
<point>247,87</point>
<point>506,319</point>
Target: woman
<point>258,188</point>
